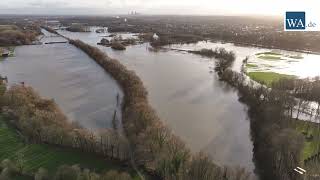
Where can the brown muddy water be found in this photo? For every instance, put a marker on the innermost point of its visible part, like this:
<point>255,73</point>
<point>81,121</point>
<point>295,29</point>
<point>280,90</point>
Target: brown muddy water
<point>188,97</point>
<point>81,88</point>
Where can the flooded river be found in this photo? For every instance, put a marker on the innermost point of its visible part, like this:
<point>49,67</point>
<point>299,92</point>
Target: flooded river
<point>183,89</point>
<point>302,65</point>
<point>81,88</point>
<point>188,97</point>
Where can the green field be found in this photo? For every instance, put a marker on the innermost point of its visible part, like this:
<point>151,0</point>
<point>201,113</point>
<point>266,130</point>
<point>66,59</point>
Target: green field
<point>267,77</point>
<point>269,57</point>
<point>269,53</point>
<point>311,132</point>
<point>249,65</point>
<point>273,56</point>
<point>35,156</point>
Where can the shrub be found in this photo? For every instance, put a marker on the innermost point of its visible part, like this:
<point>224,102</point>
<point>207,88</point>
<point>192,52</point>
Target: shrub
<point>13,35</point>
<point>117,46</point>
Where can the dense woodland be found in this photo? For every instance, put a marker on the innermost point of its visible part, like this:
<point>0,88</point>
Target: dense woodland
<point>13,35</point>
<point>12,170</point>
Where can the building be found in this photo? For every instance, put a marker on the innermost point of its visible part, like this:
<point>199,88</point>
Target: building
<point>155,37</point>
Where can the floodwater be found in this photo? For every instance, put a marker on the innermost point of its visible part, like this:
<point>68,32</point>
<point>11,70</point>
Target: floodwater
<point>182,88</point>
<point>306,65</point>
<point>187,95</point>
<point>82,89</point>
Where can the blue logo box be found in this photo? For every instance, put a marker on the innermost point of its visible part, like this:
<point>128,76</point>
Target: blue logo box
<point>295,20</point>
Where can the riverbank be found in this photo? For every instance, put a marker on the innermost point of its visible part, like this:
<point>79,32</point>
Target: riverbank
<point>267,78</point>
<point>15,35</point>
<point>41,122</point>
<point>189,39</point>
<point>6,52</point>
<point>81,88</point>
<point>154,146</point>
<point>281,141</point>
<point>268,47</point>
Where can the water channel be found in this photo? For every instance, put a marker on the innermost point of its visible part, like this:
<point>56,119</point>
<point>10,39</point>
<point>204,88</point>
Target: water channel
<point>81,88</point>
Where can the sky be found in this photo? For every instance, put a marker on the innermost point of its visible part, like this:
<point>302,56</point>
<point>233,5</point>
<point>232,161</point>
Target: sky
<point>180,7</point>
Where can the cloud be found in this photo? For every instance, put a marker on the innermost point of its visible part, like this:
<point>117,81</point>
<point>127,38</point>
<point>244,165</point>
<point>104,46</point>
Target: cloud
<point>48,4</point>
<point>154,6</point>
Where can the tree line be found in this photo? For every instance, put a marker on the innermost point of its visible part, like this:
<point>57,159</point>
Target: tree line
<point>306,90</point>
<point>41,121</point>
<point>277,145</point>
<point>167,39</point>
<point>154,146</point>
<point>14,35</point>
<point>11,170</point>
<point>219,53</point>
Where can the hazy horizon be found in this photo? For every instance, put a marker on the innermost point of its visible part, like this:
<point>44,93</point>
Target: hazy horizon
<point>153,7</point>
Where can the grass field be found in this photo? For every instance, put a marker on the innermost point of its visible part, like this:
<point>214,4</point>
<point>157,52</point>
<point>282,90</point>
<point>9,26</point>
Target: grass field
<point>249,65</point>
<point>273,56</point>
<point>269,57</point>
<point>35,156</point>
<point>267,77</point>
<point>269,53</point>
<point>312,137</point>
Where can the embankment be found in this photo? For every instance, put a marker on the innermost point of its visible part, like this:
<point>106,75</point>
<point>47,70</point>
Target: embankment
<point>154,146</point>
<point>277,147</point>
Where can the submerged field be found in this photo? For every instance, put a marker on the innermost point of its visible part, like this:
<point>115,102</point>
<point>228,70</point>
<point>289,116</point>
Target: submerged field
<point>268,67</point>
<point>277,56</point>
<point>49,157</point>
<point>264,68</point>
<point>269,56</point>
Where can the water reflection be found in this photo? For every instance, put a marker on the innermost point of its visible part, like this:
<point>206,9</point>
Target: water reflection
<point>306,66</point>
<point>207,116</point>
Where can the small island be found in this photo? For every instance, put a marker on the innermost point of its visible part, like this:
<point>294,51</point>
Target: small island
<point>117,42</point>
<point>75,27</point>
